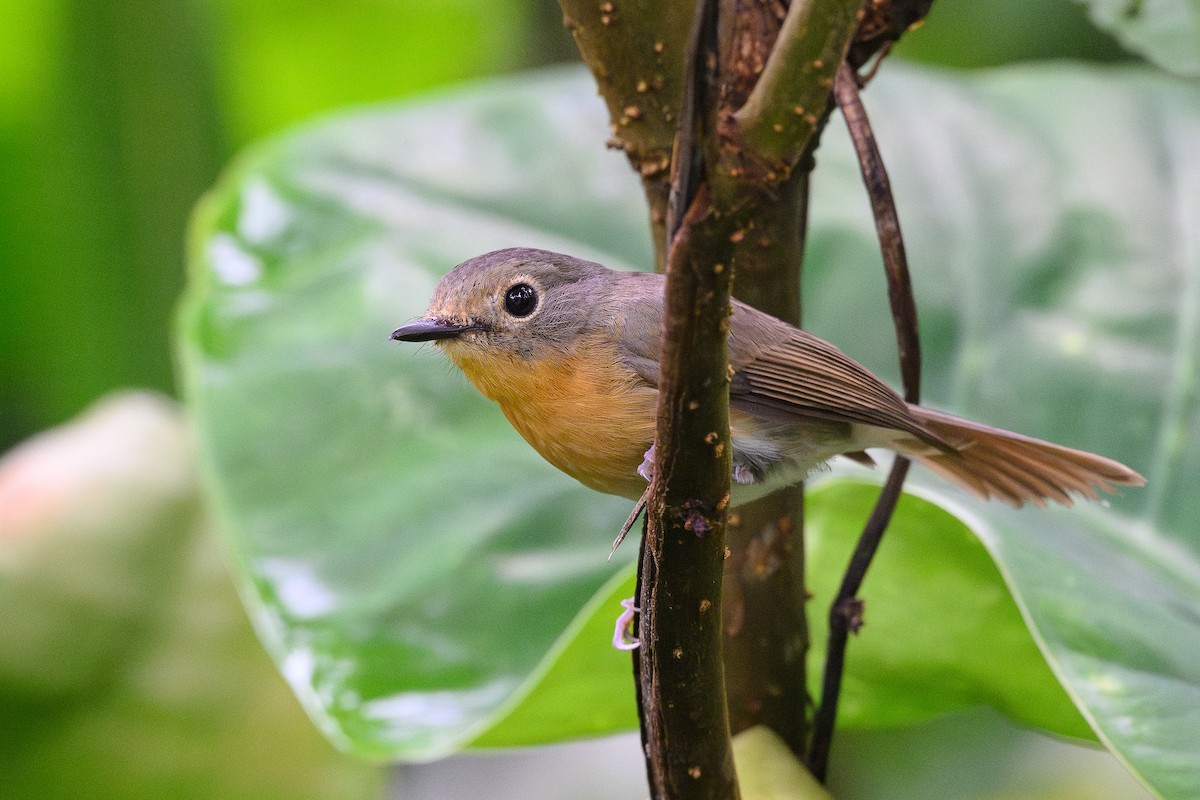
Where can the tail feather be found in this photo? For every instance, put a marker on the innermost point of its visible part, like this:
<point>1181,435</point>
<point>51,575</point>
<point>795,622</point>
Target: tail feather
<point>995,463</point>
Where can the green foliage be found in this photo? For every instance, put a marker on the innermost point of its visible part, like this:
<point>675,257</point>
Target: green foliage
<point>428,580</point>
<point>941,633</point>
<point>967,33</point>
<point>115,115</point>
<point>121,682</point>
<point>471,604</point>
<point>1166,32</point>
<point>110,135</point>
<point>283,61</point>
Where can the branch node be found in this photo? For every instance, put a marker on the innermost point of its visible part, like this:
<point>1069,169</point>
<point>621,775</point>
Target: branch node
<point>851,612</point>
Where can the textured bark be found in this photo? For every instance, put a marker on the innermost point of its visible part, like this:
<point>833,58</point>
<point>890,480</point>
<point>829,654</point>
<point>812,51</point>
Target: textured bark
<point>681,670</point>
<point>635,50</point>
<point>766,629</point>
<point>723,142</point>
<point>774,130</point>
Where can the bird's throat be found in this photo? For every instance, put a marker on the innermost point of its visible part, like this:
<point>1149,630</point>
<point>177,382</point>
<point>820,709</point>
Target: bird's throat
<point>583,411</point>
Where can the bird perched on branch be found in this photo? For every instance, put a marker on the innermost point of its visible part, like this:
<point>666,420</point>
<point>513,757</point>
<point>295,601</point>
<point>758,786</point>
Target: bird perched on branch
<point>569,349</point>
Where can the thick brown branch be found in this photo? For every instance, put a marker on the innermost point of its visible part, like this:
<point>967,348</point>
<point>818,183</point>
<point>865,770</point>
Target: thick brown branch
<point>635,50</point>
<point>685,724</point>
<point>741,164</point>
<point>767,137</point>
<point>699,89</point>
<point>766,630</point>
<point>686,728</point>
<point>748,37</point>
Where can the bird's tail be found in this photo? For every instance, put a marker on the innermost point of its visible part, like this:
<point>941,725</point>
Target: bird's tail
<point>995,463</point>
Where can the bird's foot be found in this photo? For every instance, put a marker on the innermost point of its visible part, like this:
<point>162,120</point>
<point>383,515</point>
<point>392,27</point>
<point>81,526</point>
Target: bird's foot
<point>744,474</point>
<point>623,637</point>
<point>646,468</point>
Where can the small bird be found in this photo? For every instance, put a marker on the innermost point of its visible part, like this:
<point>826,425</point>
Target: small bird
<point>569,350</point>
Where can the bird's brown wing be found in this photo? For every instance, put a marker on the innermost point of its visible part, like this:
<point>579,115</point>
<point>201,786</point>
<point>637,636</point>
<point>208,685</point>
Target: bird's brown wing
<point>781,371</point>
<point>777,370</point>
<point>801,376</point>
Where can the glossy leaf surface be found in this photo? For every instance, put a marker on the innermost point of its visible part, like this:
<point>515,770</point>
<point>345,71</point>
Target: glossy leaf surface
<point>127,668</point>
<point>420,573</point>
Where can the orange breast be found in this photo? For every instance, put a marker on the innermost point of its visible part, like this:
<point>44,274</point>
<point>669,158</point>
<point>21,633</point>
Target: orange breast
<point>583,411</point>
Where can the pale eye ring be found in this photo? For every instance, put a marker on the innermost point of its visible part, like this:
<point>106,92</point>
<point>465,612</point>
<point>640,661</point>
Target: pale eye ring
<point>520,300</point>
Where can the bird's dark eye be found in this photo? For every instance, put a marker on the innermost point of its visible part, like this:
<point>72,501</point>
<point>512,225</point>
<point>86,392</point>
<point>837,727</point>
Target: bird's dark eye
<point>520,300</point>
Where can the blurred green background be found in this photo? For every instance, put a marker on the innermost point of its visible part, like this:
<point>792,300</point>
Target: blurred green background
<point>115,115</point>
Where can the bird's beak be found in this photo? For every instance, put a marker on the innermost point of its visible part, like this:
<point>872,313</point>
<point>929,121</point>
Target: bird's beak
<point>428,330</point>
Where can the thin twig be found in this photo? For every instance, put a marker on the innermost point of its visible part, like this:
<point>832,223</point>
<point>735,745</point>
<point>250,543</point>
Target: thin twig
<point>887,225</point>
<point>845,615</point>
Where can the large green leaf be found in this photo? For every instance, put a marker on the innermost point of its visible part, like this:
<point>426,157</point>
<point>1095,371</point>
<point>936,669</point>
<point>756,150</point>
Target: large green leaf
<point>422,576</point>
<point>921,653</point>
<point>414,560</point>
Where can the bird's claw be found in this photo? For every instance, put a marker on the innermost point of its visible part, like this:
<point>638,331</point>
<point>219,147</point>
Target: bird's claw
<point>646,468</point>
<point>623,638</point>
